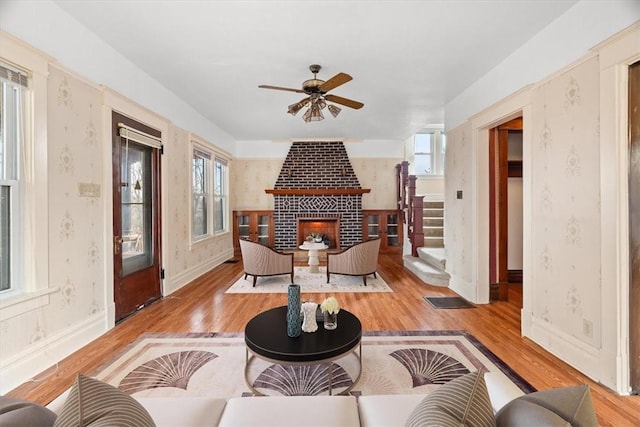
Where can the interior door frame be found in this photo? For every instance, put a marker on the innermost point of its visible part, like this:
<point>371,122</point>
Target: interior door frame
<point>116,102</point>
<point>151,275</point>
<point>499,207</point>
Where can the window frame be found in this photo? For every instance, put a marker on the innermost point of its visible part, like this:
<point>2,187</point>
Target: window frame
<point>34,290</point>
<point>11,181</point>
<point>438,147</point>
<point>214,157</point>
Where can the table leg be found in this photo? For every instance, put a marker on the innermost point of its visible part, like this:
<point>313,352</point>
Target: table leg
<point>314,261</point>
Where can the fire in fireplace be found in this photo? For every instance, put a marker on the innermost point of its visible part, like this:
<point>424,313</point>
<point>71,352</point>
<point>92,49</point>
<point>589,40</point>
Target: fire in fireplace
<point>329,228</point>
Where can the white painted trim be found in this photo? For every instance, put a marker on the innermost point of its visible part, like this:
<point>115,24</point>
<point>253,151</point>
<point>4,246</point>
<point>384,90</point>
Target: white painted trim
<point>615,54</point>
<point>46,353</point>
<point>185,277</point>
<point>34,193</point>
<point>113,101</point>
<point>566,347</point>
<point>465,289</point>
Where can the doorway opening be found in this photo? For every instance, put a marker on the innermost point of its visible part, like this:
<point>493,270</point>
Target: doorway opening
<point>505,211</point>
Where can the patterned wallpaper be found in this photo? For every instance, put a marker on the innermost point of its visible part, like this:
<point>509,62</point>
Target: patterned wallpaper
<point>565,229</point>
<point>457,219</point>
<point>250,177</point>
<point>182,256</point>
<point>75,222</point>
<point>566,206</point>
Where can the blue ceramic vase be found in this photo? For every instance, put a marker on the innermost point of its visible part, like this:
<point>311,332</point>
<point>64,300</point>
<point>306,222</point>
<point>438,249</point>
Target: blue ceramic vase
<point>294,325</point>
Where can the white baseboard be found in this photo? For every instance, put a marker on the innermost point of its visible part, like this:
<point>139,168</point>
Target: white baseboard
<point>172,284</point>
<point>46,353</point>
<point>465,289</point>
<point>576,353</point>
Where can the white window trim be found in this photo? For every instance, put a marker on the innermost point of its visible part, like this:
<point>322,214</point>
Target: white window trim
<point>195,146</point>
<point>439,160</point>
<point>35,287</point>
<point>200,144</point>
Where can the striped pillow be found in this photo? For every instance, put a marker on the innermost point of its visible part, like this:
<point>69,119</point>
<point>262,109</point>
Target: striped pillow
<point>463,401</point>
<point>94,403</point>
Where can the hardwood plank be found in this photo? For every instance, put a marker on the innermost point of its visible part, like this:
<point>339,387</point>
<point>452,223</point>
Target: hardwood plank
<point>202,306</point>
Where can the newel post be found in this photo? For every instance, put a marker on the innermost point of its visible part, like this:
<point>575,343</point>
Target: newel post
<point>417,240</point>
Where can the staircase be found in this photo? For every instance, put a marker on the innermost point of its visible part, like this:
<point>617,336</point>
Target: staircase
<point>429,266</point>
<point>433,224</point>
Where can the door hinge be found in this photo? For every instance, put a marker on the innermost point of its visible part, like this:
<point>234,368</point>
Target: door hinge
<point>162,273</point>
<point>161,149</point>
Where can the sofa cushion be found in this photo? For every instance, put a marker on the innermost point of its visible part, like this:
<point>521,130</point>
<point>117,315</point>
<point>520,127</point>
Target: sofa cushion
<point>464,400</point>
<point>18,412</point>
<point>94,403</point>
<point>558,407</point>
<point>294,411</point>
<point>384,410</point>
<point>184,411</point>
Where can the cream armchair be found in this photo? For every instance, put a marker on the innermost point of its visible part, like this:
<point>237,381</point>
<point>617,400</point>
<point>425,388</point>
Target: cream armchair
<point>261,260</point>
<point>360,259</point>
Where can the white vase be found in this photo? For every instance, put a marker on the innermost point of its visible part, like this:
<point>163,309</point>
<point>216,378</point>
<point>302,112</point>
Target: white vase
<point>309,323</point>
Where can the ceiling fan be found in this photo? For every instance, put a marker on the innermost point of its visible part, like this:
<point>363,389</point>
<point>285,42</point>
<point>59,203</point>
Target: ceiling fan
<point>317,97</point>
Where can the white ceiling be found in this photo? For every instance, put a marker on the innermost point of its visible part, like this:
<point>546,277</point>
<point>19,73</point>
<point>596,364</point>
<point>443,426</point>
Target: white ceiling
<point>407,58</point>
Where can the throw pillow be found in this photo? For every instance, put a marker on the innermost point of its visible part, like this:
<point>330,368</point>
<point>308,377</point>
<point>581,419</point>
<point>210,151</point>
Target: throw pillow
<point>93,403</point>
<point>18,412</point>
<point>557,407</point>
<point>463,401</point>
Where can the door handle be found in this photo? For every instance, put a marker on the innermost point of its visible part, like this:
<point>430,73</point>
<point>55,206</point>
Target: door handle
<point>117,244</point>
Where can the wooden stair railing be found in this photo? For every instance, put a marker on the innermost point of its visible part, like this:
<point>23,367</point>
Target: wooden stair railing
<point>410,206</point>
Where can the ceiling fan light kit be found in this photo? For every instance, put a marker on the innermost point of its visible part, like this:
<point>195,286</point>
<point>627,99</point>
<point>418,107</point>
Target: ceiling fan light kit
<point>316,90</point>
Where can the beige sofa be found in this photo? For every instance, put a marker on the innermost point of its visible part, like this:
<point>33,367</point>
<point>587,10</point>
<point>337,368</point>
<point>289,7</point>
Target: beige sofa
<point>570,406</point>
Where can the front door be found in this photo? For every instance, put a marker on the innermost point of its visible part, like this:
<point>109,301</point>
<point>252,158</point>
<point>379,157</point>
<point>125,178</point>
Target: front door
<point>136,215</point>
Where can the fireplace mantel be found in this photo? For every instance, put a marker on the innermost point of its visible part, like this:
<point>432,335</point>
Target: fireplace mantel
<point>315,191</point>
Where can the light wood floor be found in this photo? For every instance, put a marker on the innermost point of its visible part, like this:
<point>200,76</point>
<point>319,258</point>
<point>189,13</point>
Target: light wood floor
<point>202,306</point>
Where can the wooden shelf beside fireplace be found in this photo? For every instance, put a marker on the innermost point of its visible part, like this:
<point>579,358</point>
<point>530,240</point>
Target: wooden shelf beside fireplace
<point>256,226</point>
<point>385,224</point>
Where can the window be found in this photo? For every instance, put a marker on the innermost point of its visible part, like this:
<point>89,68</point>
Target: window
<point>24,220</point>
<point>209,194</point>
<point>220,195</point>
<point>201,198</point>
<point>428,153</point>
<point>13,88</point>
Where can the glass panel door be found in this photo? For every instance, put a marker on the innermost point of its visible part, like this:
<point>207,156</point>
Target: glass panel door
<point>243,226</point>
<point>263,229</point>
<point>136,212</point>
<point>392,230</point>
<point>373,226</point>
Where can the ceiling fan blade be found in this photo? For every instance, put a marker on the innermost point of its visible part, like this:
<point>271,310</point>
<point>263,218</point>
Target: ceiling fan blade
<point>281,88</point>
<point>344,101</point>
<point>335,81</point>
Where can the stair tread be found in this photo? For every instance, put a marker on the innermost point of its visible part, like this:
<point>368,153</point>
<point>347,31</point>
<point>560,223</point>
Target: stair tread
<point>425,272</point>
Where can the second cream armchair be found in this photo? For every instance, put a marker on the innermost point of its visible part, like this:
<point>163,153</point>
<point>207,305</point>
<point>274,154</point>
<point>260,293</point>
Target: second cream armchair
<point>360,259</point>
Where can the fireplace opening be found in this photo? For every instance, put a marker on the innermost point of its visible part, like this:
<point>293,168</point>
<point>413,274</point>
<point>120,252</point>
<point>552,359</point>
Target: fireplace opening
<point>329,228</point>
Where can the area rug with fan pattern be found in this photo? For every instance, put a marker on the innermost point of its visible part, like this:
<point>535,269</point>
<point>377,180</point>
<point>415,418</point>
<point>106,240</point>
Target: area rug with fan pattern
<point>213,365</point>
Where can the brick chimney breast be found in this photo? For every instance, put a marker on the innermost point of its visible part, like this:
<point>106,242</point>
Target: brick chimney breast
<point>313,165</point>
<point>317,165</point>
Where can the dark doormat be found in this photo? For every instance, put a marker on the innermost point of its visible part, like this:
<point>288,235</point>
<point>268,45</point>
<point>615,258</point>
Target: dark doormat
<point>448,302</point>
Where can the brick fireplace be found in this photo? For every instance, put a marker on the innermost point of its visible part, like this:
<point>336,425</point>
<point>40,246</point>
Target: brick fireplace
<point>317,191</point>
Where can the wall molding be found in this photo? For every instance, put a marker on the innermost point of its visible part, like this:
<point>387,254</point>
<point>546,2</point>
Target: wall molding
<point>46,353</point>
<point>185,277</point>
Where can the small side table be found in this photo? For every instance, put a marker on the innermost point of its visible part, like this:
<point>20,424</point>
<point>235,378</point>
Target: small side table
<point>313,249</point>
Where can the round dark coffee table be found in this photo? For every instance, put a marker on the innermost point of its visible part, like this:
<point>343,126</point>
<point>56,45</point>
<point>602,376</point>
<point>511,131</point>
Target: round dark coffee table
<point>266,337</point>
